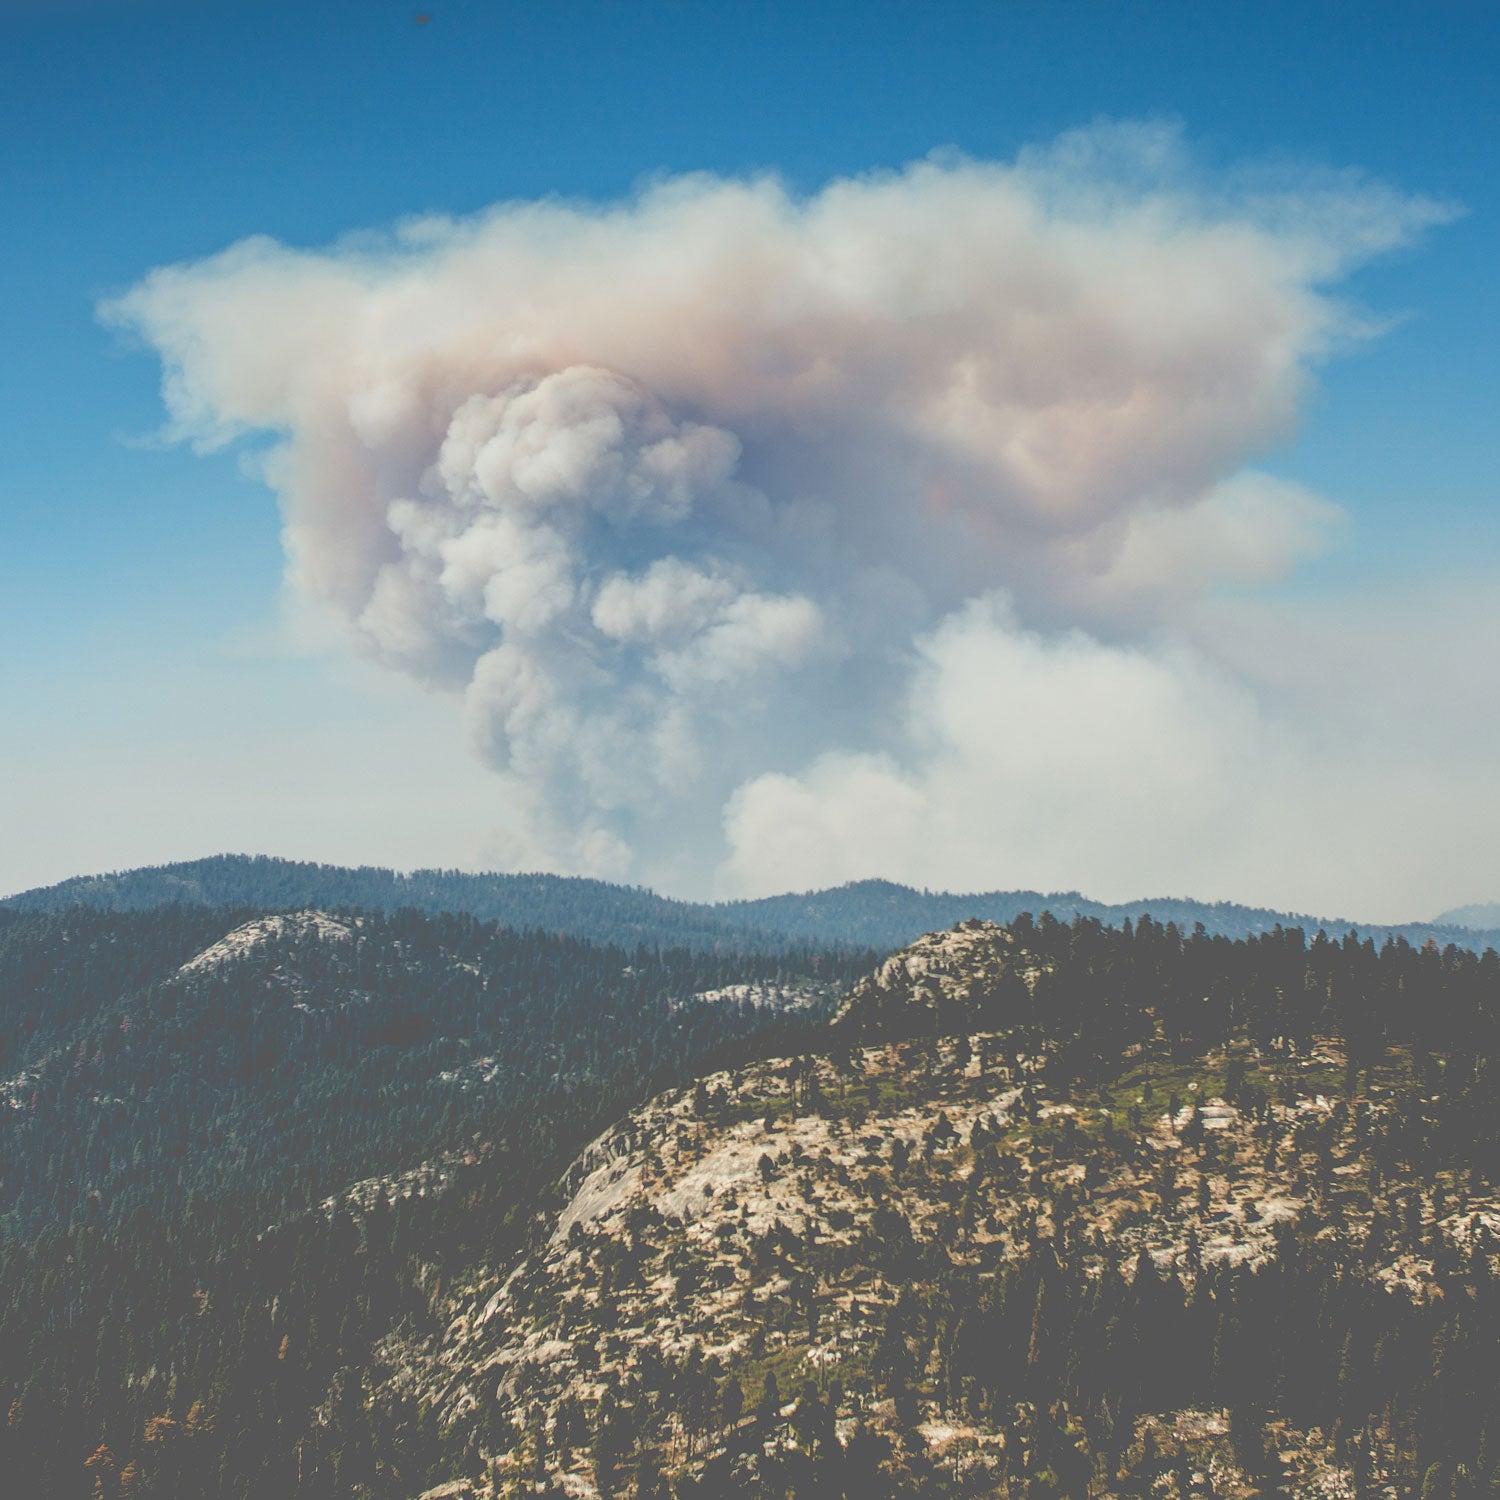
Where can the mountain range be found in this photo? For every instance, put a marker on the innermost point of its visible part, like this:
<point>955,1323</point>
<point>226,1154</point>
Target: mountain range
<point>1484,915</point>
<point>368,1202</point>
<point>871,914</point>
<point>1045,1213</point>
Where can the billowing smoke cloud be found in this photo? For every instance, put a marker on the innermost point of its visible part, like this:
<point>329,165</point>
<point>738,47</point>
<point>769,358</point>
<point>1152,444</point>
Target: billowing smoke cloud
<point>794,516</point>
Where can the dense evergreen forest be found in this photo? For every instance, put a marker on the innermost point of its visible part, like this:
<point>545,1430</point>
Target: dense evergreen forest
<point>245,1158</point>
<point>182,1088</point>
<point>1375,1321</point>
<point>865,913</point>
<point>993,1246</point>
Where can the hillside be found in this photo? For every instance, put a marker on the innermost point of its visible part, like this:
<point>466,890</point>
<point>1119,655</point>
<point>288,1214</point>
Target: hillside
<point>348,1205</point>
<point>193,1100</point>
<point>326,1048</point>
<point>1053,1212</point>
<point>867,914</point>
<point>1483,916</point>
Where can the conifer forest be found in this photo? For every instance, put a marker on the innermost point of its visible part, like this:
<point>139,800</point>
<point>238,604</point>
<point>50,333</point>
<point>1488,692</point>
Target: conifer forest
<point>340,1202</point>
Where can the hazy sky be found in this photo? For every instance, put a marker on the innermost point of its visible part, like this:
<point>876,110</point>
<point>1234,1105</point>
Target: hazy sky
<point>739,447</point>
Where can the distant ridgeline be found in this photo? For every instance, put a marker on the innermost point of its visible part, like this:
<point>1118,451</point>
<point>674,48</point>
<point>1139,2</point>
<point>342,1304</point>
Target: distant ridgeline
<point>864,914</point>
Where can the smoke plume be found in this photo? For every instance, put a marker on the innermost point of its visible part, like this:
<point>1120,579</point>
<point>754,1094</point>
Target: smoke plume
<point>763,533</point>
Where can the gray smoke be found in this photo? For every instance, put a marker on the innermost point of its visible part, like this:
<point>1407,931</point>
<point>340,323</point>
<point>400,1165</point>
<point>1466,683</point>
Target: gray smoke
<point>820,520</point>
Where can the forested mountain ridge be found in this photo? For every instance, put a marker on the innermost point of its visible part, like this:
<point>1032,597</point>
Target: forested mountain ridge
<point>315,1205</point>
<point>876,914</point>
<point>1052,1211</point>
<point>188,1095</point>
<point>323,1047</point>
<point>567,905</point>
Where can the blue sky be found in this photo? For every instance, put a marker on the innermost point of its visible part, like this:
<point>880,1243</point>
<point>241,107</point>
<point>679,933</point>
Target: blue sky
<point>140,583</point>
